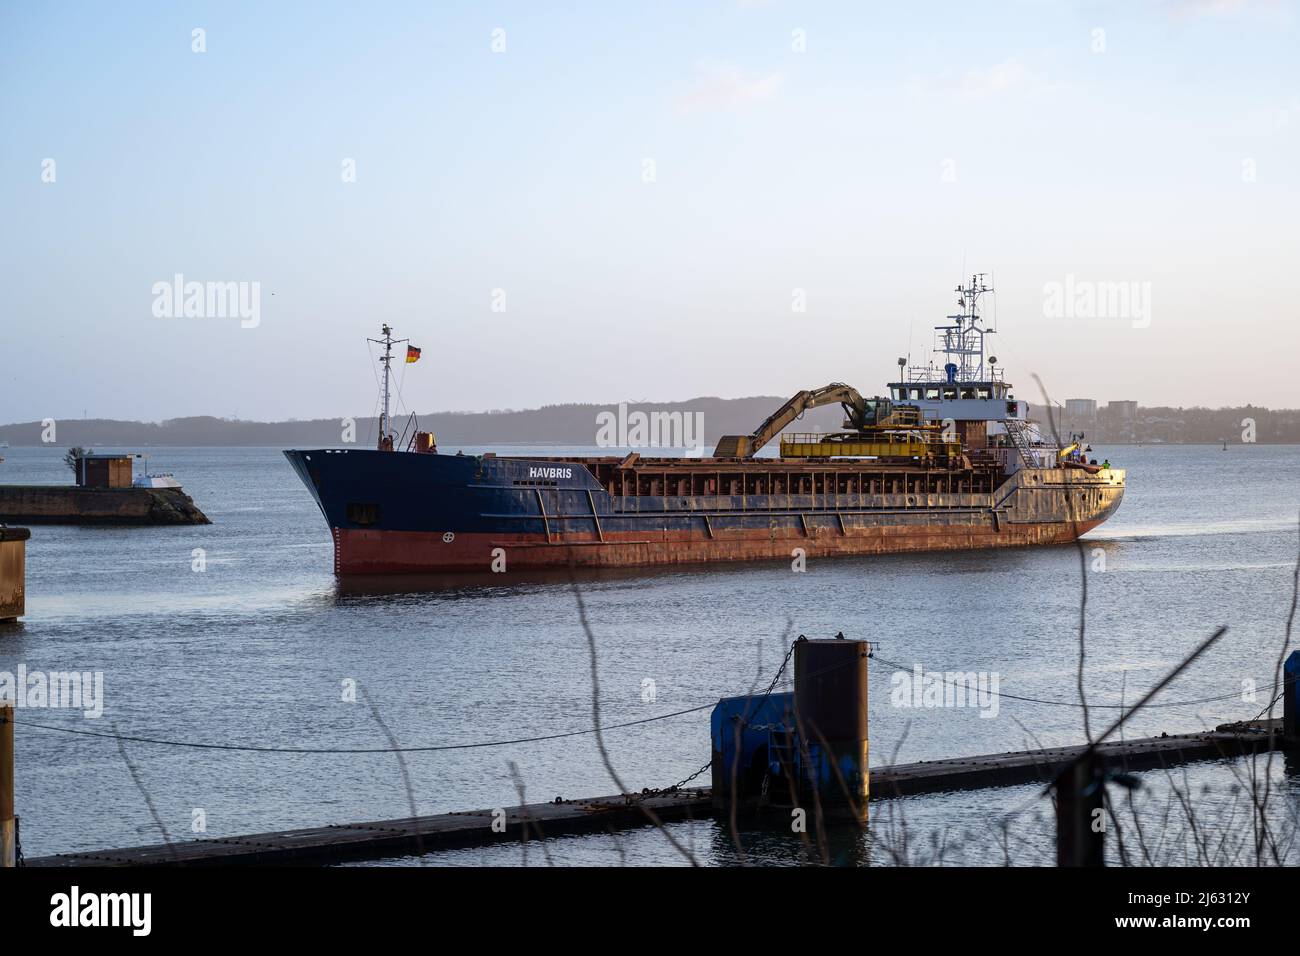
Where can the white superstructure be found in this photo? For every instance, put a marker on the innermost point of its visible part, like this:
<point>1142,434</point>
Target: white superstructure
<point>968,386</point>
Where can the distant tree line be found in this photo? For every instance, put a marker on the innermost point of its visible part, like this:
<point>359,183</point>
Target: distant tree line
<point>573,424</point>
<point>1245,423</point>
<point>577,424</point>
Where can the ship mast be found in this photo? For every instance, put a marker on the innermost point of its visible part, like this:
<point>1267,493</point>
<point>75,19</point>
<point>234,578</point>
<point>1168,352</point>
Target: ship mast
<point>385,432</point>
<point>963,343</point>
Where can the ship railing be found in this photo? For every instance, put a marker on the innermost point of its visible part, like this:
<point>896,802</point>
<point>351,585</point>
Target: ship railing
<point>412,427</point>
<point>901,436</point>
<point>935,375</point>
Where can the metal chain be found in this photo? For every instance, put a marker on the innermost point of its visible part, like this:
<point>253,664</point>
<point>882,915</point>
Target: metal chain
<point>18,843</point>
<point>1266,708</point>
<point>654,791</point>
<point>779,671</point>
<point>682,783</point>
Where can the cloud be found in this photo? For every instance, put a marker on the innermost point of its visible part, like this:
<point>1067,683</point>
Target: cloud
<point>1274,11</point>
<point>1010,74</point>
<point>994,79</point>
<point>1269,119</point>
<point>1191,9</point>
<point>725,85</point>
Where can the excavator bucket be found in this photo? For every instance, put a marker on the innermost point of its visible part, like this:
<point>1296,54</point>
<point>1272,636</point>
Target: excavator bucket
<point>732,446</point>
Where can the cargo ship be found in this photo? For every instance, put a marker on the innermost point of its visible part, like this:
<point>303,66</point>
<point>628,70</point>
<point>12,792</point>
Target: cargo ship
<point>948,460</point>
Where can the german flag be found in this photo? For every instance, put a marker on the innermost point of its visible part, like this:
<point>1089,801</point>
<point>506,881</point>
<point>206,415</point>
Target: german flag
<point>412,354</point>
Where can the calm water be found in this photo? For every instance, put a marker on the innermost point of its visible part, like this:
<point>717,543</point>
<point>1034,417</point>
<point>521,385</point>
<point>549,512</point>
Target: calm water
<point>255,649</point>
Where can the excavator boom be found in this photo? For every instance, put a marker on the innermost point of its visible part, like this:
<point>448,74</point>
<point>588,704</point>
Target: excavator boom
<point>746,446</point>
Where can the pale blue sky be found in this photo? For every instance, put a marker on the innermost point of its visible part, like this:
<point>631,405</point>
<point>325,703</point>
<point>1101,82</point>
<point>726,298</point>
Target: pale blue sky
<point>522,170</point>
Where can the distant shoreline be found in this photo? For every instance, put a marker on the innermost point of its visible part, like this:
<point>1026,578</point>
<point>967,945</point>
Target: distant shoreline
<point>578,424</point>
<point>452,445</point>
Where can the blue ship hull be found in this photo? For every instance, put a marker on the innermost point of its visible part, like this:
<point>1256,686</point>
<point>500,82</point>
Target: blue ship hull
<point>406,512</point>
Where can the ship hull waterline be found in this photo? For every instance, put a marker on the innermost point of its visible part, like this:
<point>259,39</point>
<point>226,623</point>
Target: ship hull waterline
<point>361,552</point>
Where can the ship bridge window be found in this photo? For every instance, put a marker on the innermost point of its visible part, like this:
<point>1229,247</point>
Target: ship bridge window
<point>968,393</point>
<point>985,391</point>
<point>949,394</point>
<point>932,394</point>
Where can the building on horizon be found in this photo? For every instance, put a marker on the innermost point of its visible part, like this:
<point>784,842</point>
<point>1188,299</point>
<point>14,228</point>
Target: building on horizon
<point>1079,415</point>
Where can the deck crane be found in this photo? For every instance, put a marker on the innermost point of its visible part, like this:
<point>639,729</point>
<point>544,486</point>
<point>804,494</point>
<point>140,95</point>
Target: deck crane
<point>860,414</point>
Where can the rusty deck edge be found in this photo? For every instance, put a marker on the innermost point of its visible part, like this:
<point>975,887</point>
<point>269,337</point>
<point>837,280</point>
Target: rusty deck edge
<point>462,829</point>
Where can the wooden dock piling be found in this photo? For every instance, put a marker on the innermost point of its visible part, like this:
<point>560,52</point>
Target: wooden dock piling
<point>8,824</point>
<point>13,572</point>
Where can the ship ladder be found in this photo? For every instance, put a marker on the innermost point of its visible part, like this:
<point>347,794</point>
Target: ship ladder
<point>1016,432</point>
<point>783,751</point>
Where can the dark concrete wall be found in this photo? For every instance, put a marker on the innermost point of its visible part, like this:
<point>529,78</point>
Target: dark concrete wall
<point>64,504</point>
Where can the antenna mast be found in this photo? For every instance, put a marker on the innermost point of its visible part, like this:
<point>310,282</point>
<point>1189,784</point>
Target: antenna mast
<point>964,342</point>
<point>385,433</point>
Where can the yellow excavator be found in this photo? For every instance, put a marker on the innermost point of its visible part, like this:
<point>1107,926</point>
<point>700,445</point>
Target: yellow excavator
<point>875,428</point>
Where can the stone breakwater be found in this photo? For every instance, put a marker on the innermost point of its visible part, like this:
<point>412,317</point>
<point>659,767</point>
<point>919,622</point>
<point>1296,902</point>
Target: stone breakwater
<point>61,504</point>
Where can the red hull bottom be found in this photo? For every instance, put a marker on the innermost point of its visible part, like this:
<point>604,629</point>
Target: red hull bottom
<point>418,552</point>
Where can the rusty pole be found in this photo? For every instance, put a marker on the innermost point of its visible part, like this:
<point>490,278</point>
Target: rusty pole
<point>1080,813</point>
<point>830,704</point>
<point>8,828</point>
<point>1291,700</point>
